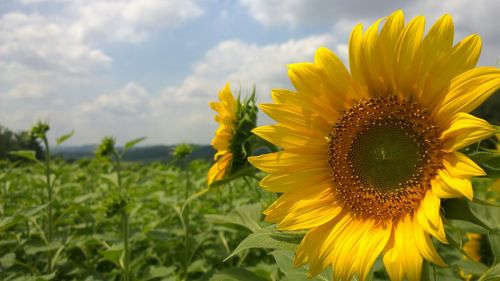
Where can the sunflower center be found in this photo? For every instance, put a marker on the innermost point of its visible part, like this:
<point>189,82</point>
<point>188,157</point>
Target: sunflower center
<point>386,155</point>
<point>383,152</point>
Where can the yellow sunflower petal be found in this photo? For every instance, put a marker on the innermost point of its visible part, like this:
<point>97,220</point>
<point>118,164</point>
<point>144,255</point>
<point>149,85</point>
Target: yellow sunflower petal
<point>401,260</point>
<point>292,140</point>
<point>406,54</point>
<point>299,179</point>
<point>355,58</point>
<point>465,130</point>
<point>304,208</point>
<point>372,244</point>
<point>467,91</point>
<point>425,246</point>
<point>345,256</point>
<point>429,217</point>
<point>306,78</point>
<point>460,59</point>
<point>372,61</point>
<point>389,35</point>
<point>322,240</point>
<point>459,165</point>
<point>219,168</point>
<point>460,186</point>
<point>442,190</point>
<point>437,44</point>
<point>350,246</point>
<point>343,90</point>
<point>285,162</point>
<point>296,117</point>
<point>392,264</point>
<point>309,103</point>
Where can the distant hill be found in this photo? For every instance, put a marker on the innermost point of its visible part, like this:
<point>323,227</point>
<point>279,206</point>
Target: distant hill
<point>137,154</point>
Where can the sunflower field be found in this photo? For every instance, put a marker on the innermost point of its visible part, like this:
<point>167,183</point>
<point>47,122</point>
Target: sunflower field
<point>214,235</point>
<point>380,172</point>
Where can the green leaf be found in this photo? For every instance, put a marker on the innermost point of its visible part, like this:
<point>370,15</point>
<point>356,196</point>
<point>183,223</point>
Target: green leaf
<point>159,272</point>
<point>31,250</point>
<point>426,272</point>
<point>284,259</point>
<point>483,156</point>
<point>64,138</point>
<point>131,144</point>
<point>459,209</point>
<point>33,211</point>
<point>269,238</point>
<point>113,254</point>
<point>489,161</point>
<point>8,222</point>
<point>26,154</point>
<point>495,247</point>
<point>492,274</point>
<point>8,260</point>
<point>236,274</point>
<point>191,198</point>
<point>45,277</point>
<point>247,216</point>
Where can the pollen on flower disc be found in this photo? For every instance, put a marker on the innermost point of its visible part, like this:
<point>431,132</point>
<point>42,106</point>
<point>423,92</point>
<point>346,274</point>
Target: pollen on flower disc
<point>383,153</point>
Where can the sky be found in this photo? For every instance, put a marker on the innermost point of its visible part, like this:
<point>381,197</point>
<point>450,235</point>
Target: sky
<point>133,68</point>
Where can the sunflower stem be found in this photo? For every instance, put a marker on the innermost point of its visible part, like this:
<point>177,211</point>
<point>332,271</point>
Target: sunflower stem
<point>231,206</point>
<point>50,223</point>
<point>186,220</point>
<point>122,190</point>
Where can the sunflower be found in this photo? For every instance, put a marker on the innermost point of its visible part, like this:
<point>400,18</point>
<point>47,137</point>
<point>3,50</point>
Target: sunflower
<point>226,117</point>
<point>473,245</point>
<point>233,137</point>
<point>367,155</point>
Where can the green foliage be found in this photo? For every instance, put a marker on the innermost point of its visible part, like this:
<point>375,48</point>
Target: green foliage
<point>10,142</point>
<point>87,241</point>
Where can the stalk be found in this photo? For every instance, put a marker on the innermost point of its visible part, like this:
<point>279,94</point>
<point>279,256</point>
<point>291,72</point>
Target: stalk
<point>186,220</point>
<point>230,195</point>
<point>125,221</point>
<point>50,223</point>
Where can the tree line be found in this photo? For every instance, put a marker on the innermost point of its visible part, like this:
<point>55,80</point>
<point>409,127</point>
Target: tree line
<point>12,141</point>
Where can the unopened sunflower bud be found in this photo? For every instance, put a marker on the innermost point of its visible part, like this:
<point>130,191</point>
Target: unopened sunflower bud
<point>107,147</point>
<point>182,151</point>
<point>39,130</point>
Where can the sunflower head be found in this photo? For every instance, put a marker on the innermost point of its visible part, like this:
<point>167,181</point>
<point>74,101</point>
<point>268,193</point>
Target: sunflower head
<point>232,139</point>
<point>368,153</point>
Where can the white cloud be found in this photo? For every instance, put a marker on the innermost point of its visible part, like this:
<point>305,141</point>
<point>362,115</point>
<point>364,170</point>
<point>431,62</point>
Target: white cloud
<point>245,64</point>
<point>469,17</point>
<point>45,44</point>
<point>302,12</point>
<point>51,55</point>
<point>181,113</point>
<point>131,99</point>
<point>43,48</point>
<point>129,20</point>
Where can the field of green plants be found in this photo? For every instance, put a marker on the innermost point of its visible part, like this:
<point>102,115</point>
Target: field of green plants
<point>105,219</point>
